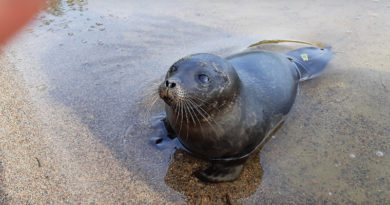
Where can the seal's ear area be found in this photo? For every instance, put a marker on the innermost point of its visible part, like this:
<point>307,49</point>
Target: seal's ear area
<point>225,78</point>
<point>311,61</point>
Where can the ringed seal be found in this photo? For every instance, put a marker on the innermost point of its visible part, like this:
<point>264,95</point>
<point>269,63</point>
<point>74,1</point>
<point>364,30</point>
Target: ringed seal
<point>222,109</point>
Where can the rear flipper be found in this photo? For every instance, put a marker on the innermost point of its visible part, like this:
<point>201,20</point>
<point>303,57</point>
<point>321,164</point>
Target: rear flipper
<point>310,61</point>
<point>221,171</point>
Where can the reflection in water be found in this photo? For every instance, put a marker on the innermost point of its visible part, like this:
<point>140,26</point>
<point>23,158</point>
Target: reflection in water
<point>57,7</point>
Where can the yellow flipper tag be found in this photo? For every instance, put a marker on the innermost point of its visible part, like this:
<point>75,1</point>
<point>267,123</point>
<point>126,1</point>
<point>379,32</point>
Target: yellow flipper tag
<point>304,57</point>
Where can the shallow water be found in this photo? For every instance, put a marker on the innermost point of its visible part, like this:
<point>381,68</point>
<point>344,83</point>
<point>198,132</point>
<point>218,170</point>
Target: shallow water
<point>96,64</point>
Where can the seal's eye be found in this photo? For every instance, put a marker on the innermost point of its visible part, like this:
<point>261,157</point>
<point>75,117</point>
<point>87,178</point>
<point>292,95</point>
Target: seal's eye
<point>173,69</point>
<point>204,78</point>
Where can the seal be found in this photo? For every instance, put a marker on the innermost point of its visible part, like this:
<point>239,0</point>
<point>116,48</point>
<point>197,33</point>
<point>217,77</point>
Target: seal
<point>222,109</point>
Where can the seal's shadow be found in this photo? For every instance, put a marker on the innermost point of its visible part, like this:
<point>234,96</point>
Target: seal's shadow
<point>180,177</point>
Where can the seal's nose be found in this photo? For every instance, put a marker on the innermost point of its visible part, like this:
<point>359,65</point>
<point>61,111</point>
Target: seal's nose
<point>170,83</point>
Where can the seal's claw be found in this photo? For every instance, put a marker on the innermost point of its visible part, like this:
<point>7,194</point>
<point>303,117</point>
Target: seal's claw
<point>220,173</point>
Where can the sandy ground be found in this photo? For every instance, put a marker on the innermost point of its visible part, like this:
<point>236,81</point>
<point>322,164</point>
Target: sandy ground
<point>39,166</point>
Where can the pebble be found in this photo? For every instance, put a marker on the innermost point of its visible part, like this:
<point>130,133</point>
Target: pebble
<point>42,87</point>
<point>374,15</point>
<point>352,156</point>
<point>330,193</point>
<point>379,154</point>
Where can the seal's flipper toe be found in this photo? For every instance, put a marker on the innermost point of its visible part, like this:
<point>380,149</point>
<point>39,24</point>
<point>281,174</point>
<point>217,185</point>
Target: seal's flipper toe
<point>220,173</point>
<point>310,61</point>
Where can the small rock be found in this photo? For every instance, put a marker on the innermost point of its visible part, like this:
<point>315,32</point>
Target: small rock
<point>374,15</point>
<point>330,193</point>
<point>47,22</point>
<point>70,34</point>
<point>102,29</point>
<point>42,87</point>
<point>352,156</point>
<point>379,154</point>
<point>98,24</point>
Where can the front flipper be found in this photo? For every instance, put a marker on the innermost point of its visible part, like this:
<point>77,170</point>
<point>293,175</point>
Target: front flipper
<point>221,172</point>
<point>165,136</point>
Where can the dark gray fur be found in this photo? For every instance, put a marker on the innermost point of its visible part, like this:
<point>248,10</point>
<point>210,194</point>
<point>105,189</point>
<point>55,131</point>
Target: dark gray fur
<point>247,97</point>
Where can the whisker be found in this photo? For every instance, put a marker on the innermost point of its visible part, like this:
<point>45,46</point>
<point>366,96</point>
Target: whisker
<point>189,110</point>
<point>149,109</point>
<point>202,112</point>
<point>202,101</point>
<point>196,117</point>
<point>209,117</point>
<point>185,111</point>
<point>181,121</point>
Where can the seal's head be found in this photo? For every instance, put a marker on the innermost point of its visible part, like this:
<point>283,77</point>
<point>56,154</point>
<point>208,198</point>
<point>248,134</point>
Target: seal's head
<point>200,80</point>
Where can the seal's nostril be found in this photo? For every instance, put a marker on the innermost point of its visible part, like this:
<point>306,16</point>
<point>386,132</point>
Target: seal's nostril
<point>170,84</point>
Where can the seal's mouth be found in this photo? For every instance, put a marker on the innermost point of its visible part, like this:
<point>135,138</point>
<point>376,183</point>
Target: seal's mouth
<point>166,95</point>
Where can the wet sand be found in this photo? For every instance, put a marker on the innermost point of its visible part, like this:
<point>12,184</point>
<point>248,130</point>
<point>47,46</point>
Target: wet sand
<point>75,123</point>
<point>40,165</point>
